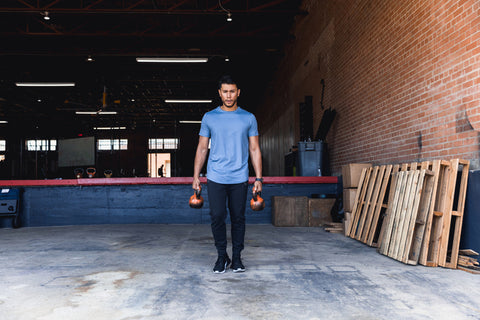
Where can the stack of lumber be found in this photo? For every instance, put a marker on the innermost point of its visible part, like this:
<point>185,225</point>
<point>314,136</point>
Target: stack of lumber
<point>467,262</point>
<point>334,227</point>
<point>407,211</point>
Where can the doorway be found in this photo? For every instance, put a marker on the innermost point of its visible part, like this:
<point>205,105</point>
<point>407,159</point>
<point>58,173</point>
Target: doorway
<point>159,162</point>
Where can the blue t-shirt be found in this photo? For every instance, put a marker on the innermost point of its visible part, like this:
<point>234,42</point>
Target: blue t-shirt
<point>228,132</point>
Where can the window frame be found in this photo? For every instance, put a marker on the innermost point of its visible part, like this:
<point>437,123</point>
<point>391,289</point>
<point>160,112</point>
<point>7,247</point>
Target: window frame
<point>43,145</point>
<point>163,144</point>
<point>118,144</point>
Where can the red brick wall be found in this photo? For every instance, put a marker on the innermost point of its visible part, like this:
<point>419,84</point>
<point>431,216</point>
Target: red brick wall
<point>403,76</point>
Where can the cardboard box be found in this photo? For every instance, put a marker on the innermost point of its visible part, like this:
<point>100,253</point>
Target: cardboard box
<point>319,211</point>
<point>289,211</point>
<point>349,199</point>
<point>351,174</point>
<point>346,222</point>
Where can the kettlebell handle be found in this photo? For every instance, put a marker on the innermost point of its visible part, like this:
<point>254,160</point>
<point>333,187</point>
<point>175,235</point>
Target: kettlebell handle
<point>255,194</point>
<point>198,192</point>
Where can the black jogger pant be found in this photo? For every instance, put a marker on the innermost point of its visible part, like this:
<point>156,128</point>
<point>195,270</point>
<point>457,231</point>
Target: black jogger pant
<point>235,195</point>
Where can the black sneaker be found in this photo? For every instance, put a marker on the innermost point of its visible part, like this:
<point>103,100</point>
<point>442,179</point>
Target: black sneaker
<point>222,264</point>
<point>237,265</point>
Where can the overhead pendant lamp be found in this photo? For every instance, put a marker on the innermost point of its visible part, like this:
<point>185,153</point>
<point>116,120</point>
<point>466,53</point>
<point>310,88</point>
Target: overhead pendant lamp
<point>173,60</point>
<point>187,101</point>
<point>45,84</point>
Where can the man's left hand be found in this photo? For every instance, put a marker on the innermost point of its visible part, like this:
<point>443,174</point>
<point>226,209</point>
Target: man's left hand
<point>257,187</point>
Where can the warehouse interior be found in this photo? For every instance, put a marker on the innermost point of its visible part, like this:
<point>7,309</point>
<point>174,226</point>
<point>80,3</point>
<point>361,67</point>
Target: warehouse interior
<point>103,157</point>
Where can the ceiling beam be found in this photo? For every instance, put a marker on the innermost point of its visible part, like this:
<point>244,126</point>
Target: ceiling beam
<point>89,10</point>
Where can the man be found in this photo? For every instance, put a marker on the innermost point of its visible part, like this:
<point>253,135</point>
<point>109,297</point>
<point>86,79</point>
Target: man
<point>234,135</point>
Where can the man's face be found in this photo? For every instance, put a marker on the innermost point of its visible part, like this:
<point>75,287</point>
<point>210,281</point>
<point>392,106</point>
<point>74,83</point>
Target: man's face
<point>229,94</point>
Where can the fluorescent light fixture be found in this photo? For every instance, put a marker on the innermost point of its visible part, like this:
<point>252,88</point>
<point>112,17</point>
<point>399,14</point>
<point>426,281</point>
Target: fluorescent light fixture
<point>186,101</point>
<point>3,121</point>
<point>95,112</point>
<point>45,84</point>
<point>190,121</point>
<point>109,128</point>
<point>173,60</point>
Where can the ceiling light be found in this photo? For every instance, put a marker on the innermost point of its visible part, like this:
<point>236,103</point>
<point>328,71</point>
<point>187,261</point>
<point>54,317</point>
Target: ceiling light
<point>90,59</point>
<point>45,84</point>
<point>190,121</point>
<point>109,128</point>
<point>173,60</point>
<point>95,112</point>
<point>229,15</point>
<point>45,16</point>
<point>227,59</point>
<point>3,121</point>
<point>187,101</point>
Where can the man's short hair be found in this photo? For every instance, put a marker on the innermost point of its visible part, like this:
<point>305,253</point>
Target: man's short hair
<point>226,79</point>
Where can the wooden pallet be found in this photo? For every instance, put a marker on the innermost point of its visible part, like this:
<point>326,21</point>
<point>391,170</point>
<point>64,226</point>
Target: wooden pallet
<point>366,213</point>
<point>429,251</point>
<point>450,240</point>
<point>413,225</point>
<point>404,228</point>
<point>444,224</point>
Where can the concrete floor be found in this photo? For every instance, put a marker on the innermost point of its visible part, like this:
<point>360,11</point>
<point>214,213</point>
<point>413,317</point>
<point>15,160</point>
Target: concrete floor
<point>165,272</point>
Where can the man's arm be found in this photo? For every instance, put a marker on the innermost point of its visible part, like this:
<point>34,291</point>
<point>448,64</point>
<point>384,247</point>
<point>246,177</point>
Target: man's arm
<point>256,157</point>
<point>200,157</point>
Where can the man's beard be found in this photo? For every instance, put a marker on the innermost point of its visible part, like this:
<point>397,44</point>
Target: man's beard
<point>230,106</point>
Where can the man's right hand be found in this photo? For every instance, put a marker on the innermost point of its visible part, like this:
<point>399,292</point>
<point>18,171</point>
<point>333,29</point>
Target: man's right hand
<point>196,183</point>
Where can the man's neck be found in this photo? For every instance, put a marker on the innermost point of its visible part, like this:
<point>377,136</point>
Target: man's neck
<point>232,108</point>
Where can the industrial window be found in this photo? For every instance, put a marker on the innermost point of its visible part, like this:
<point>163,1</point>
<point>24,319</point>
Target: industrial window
<point>41,145</point>
<point>163,143</point>
<point>3,145</point>
<point>112,144</point>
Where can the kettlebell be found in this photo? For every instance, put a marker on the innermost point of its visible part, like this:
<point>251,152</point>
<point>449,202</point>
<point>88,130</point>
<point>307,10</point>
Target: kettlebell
<point>196,200</point>
<point>257,203</point>
<point>78,173</point>
<point>91,172</point>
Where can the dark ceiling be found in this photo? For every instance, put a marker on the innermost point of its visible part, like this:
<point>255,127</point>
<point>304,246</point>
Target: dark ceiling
<point>114,33</point>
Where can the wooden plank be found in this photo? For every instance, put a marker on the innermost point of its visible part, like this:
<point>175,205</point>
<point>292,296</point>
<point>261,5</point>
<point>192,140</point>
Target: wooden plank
<point>357,200</point>
<point>468,252</point>
<point>380,205</point>
<point>474,270</point>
